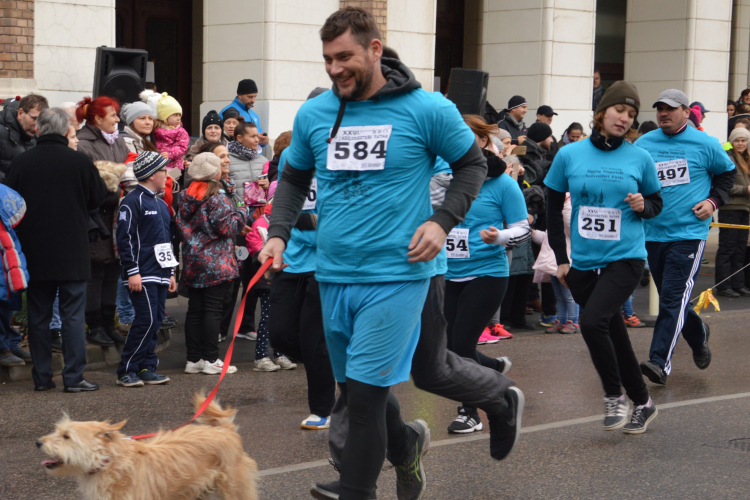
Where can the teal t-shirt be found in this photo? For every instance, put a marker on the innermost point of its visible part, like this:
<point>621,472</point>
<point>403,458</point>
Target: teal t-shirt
<point>685,163</point>
<point>603,227</point>
<point>374,179</point>
<point>300,249</point>
<point>500,199</point>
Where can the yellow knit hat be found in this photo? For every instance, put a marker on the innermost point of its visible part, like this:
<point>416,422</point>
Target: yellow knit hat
<point>167,106</point>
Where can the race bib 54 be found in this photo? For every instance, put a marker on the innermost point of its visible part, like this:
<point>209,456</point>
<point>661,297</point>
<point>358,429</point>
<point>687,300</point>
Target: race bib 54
<point>457,244</point>
<point>359,148</point>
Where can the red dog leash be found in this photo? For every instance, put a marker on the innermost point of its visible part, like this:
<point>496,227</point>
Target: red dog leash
<point>227,358</point>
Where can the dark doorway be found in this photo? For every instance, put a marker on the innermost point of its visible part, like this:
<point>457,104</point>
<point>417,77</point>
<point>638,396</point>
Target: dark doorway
<point>609,45</point>
<point>164,29</point>
<point>449,40</point>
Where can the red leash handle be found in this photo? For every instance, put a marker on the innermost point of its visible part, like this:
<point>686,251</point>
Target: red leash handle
<point>227,358</point>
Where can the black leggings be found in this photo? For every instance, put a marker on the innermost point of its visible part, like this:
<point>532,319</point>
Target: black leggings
<point>601,296</point>
<point>513,310</point>
<point>469,305</point>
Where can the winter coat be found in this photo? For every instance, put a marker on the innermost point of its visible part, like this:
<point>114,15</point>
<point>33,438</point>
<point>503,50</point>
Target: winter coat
<point>133,141</point>
<point>514,128</point>
<point>597,97</point>
<point>208,229</point>
<point>534,163</point>
<point>95,146</point>
<point>102,241</point>
<point>13,139</point>
<point>255,239</point>
<point>174,142</point>
<point>739,198</point>
<point>60,187</point>
<point>522,260</point>
<point>15,277</point>
<point>546,263</point>
<point>242,170</point>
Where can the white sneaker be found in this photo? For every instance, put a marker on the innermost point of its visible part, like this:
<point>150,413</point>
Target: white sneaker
<point>216,367</point>
<point>315,423</point>
<point>285,363</point>
<point>248,336</point>
<point>196,367</point>
<point>265,365</point>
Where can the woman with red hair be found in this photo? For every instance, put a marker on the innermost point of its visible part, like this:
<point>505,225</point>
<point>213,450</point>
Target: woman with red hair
<point>99,139</point>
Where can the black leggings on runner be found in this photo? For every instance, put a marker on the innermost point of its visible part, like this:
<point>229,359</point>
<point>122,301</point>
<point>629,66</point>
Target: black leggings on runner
<point>601,296</point>
<point>469,305</point>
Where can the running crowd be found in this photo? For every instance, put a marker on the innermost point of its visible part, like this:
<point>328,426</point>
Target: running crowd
<point>478,219</point>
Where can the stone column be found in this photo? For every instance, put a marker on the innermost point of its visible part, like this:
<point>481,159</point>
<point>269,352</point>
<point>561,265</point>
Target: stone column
<point>740,46</point>
<point>16,48</point>
<point>542,50</point>
<point>274,42</point>
<point>411,32</point>
<point>682,44</point>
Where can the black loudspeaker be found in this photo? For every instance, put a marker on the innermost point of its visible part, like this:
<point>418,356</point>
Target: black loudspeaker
<point>120,73</point>
<point>468,90</point>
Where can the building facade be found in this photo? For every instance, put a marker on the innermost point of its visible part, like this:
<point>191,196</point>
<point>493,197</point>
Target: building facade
<point>545,50</point>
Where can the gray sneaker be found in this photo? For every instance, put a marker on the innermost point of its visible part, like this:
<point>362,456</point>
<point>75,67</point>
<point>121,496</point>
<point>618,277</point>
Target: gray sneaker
<point>411,478</point>
<point>615,412</point>
<point>7,358</point>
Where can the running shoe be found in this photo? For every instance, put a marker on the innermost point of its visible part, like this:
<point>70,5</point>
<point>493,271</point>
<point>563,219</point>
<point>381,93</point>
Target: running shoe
<point>505,428</point>
<point>265,365</point>
<point>506,364</point>
<point>570,327</point>
<point>615,412</point>
<point>641,417</point>
<point>555,328</point>
<point>632,321</point>
<point>150,377</point>
<point>222,338</point>
<point>655,373</point>
<point>467,421</point>
<point>316,423</point>
<point>216,367</point>
<point>247,335</point>
<point>547,320</point>
<point>499,331</point>
<point>411,480</point>
<point>285,363</point>
<point>330,491</point>
<point>486,338</point>
<point>196,367</point>
<point>168,322</point>
<point>702,356</point>
<point>129,380</point>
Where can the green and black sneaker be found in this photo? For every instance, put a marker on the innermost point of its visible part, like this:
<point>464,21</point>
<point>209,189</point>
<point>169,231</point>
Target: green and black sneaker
<point>411,479</point>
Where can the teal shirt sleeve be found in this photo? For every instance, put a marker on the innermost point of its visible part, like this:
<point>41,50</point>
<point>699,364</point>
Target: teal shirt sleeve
<point>650,179</point>
<point>557,178</point>
<point>720,161</point>
<point>513,201</point>
<point>300,155</point>
<point>448,136</point>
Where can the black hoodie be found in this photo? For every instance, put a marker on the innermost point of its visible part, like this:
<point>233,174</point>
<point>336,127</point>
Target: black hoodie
<point>469,171</point>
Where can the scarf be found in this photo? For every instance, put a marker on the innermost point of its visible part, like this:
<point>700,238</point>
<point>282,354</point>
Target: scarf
<point>111,138</point>
<point>240,150</point>
<point>600,142</point>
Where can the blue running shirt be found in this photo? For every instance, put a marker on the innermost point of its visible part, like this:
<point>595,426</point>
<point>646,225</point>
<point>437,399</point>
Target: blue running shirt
<point>500,199</point>
<point>374,179</point>
<point>300,249</point>
<point>683,188</point>
<point>603,227</point>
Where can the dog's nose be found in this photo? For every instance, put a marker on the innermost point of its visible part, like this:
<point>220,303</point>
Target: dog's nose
<point>39,443</point>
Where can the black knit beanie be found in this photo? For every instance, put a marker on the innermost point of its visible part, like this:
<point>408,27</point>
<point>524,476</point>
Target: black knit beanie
<point>230,113</point>
<point>516,101</point>
<point>247,87</point>
<point>620,92</point>
<point>538,132</point>
<point>211,118</point>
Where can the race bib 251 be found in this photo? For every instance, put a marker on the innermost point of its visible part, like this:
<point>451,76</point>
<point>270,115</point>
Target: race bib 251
<point>598,223</point>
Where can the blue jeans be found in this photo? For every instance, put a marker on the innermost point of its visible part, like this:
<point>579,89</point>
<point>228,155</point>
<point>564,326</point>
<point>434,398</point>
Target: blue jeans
<point>56,323</point>
<point>125,311</point>
<point>9,338</point>
<point>627,307</point>
<point>567,309</point>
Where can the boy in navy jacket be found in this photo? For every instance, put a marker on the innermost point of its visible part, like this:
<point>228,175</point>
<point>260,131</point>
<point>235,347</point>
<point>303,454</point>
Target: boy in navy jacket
<point>143,241</point>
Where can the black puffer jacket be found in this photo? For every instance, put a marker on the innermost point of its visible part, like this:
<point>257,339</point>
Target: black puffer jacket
<point>13,140</point>
<point>534,163</point>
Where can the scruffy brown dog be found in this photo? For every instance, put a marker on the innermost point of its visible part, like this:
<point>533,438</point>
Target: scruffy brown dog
<point>183,464</point>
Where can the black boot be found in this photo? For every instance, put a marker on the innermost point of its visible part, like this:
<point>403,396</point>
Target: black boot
<point>56,339</point>
<point>114,335</point>
<point>96,336</point>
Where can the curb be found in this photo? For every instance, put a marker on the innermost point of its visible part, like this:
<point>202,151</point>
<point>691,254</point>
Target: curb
<point>97,358</point>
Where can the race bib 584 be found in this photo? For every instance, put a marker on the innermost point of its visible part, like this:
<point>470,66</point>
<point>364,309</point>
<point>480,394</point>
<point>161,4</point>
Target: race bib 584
<point>359,148</point>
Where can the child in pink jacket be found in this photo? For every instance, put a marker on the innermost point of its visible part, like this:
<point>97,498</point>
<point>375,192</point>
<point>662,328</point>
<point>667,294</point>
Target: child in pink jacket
<point>171,139</point>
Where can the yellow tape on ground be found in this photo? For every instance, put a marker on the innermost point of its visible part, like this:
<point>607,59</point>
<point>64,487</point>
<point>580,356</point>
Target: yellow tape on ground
<point>729,226</point>
<point>704,300</point>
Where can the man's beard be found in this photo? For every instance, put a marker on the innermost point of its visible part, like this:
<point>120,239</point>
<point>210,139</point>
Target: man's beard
<point>360,84</point>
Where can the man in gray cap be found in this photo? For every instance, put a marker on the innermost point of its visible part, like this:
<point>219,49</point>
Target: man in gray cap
<point>696,176</point>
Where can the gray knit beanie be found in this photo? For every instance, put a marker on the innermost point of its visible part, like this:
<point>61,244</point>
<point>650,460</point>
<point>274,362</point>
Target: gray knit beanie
<point>205,166</point>
<point>133,110</point>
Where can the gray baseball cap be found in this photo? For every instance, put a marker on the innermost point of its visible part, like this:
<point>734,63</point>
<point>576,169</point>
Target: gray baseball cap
<point>673,97</point>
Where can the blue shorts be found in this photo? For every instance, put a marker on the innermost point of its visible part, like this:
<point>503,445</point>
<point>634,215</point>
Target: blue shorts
<point>372,329</point>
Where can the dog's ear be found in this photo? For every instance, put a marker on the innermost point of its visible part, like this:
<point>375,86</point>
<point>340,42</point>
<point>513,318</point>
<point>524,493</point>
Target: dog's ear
<point>109,429</point>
